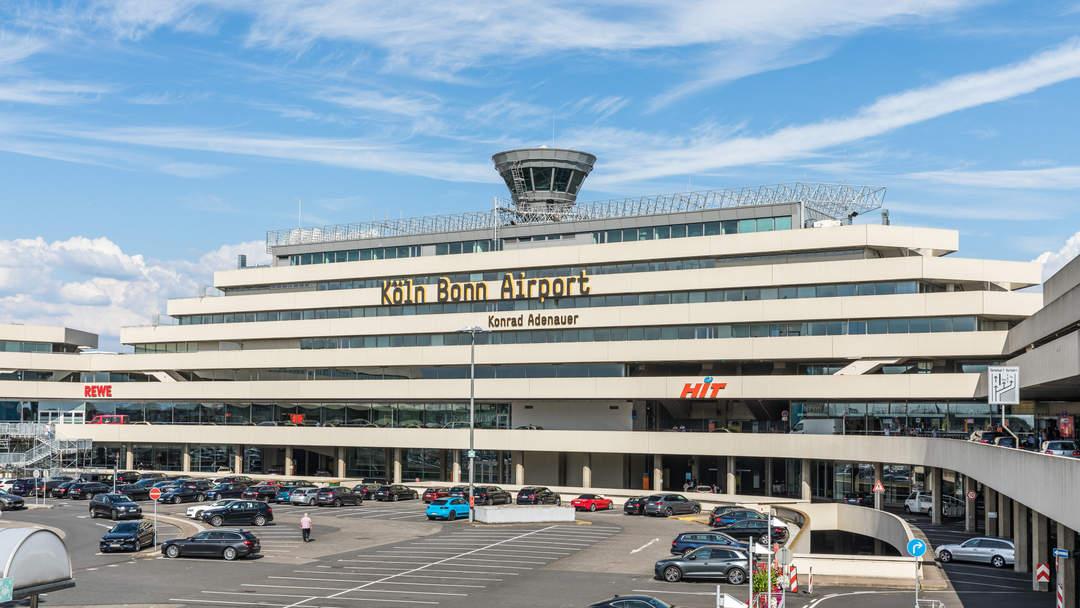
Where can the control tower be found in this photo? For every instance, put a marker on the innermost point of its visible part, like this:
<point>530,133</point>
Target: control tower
<point>543,181</point>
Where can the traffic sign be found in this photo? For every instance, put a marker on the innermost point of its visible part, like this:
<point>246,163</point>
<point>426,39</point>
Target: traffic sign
<point>1042,573</point>
<point>971,495</point>
<point>37,473</point>
<point>1061,553</point>
<point>916,547</point>
<point>878,487</point>
<point>472,454</point>
<point>155,493</point>
<point>7,587</point>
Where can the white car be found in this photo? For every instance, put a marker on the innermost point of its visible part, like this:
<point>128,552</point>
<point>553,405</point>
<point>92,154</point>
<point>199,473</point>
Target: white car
<point>918,502</point>
<point>5,484</point>
<point>196,511</point>
<point>303,496</point>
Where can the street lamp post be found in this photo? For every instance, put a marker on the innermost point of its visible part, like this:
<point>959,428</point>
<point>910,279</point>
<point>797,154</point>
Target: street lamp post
<point>472,331</point>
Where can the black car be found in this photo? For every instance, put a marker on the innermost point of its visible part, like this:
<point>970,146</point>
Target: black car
<point>236,480</point>
<point>24,487</point>
<point>125,477</point>
<point>491,495</point>
<point>52,483</point>
<point>366,490</point>
<point>114,506</point>
<point>631,601</point>
<point>753,528</point>
<point>226,490</point>
<point>140,490</point>
<point>860,499</point>
<point>9,501</point>
<point>395,492</point>
<point>182,493</point>
<point>240,512</point>
<point>158,476</point>
<point>336,496</point>
<point>61,489</point>
<point>635,505</point>
<point>459,492</point>
<point>264,492</point>
<point>538,496</point>
<point>227,544</point>
<point>133,535</point>
<point>105,478</point>
<point>87,489</point>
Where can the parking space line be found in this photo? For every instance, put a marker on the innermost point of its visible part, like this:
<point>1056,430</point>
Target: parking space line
<point>709,593</point>
<point>292,587</point>
<point>441,571</point>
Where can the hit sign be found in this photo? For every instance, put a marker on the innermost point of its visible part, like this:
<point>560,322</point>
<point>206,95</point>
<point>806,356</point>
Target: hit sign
<point>1003,385</point>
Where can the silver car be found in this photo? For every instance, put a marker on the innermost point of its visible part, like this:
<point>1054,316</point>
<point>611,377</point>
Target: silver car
<point>303,496</point>
<point>998,552</point>
<point>1061,447</point>
<point>670,504</point>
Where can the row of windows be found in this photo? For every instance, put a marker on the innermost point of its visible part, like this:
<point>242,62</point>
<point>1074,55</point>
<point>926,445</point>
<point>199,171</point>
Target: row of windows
<point>675,231</point>
<point>354,255</point>
<point>548,179</point>
<point>445,372</point>
<point>84,377</point>
<point>176,347</point>
<point>456,247</point>
<point>676,332</point>
<point>535,273</point>
<point>640,299</point>
<point>12,346</point>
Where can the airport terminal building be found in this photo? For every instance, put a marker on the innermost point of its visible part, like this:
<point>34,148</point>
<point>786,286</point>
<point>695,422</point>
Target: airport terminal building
<point>598,327</point>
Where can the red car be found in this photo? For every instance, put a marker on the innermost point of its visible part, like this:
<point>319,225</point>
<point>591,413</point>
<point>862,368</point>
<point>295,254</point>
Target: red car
<point>431,494</point>
<point>590,502</point>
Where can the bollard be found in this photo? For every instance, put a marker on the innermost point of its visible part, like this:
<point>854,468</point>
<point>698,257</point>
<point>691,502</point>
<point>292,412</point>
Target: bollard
<point>794,584</point>
<point>810,581</point>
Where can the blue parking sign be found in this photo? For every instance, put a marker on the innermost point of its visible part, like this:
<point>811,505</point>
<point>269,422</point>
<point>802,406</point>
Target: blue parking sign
<point>916,547</point>
<point>6,588</point>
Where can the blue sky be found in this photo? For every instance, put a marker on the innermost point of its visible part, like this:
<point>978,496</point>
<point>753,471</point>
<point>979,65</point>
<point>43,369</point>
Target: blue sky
<point>143,144</point>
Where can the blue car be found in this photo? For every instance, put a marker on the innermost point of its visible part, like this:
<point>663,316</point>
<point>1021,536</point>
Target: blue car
<point>448,509</point>
<point>734,515</point>
<point>688,541</point>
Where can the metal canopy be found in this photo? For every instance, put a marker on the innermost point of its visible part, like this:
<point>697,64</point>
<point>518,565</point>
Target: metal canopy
<point>36,559</point>
<point>837,201</point>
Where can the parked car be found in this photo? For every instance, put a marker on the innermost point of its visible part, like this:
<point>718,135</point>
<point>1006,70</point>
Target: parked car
<point>431,494</point>
<point>703,490</point>
<point>128,535</point>
<point>264,491</point>
<point>23,487</point>
<point>140,490</point>
<point>395,492</point>
<point>732,515</point>
<point>998,552</point>
<point>688,541</point>
<point>538,496</point>
<point>226,490</point>
<point>1061,447</point>
<point>591,502</point>
<point>242,480</point>
<point>226,544</point>
<point>151,476</point>
<point>635,505</point>
<point>448,509</point>
<point>284,492</point>
<point>491,495</point>
<point>985,436</point>
<point>11,502</point>
<point>127,477</point>
<point>670,504</point>
<point>114,506</point>
<point>336,496</point>
<point>366,490</point>
<point>61,490</point>
<point>52,483</point>
<point>303,496</point>
<point>5,484</point>
<point>918,502</point>
<point>1005,441</point>
<point>240,512</point>
<point>182,493</point>
<point>859,499</point>
<point>87,490</point>
<point>196,511</point>
<point>705,562</point>
<point>631,601</point>
<point>105,478</point>
<point>754,528</point>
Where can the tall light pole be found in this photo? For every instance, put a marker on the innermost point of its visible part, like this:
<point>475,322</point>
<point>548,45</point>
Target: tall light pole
<point>472,331</point>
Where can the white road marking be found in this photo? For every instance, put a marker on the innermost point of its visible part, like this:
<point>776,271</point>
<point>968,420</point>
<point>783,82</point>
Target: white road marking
<point>709,593</point>
<point>655,540</point>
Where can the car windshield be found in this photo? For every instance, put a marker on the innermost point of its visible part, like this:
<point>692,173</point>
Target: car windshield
<point>440,502</point>
<point>127,526</point>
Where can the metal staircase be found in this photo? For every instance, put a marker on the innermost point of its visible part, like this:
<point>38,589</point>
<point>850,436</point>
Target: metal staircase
<point>47,451</point>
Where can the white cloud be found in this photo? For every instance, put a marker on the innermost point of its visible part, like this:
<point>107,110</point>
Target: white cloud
<point>374,101</point>
<point>195,170</point>
<point>50,93</point>
<point>1054,261</point>
<point>1056,178</point>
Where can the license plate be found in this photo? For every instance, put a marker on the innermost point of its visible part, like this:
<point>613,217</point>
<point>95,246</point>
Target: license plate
<point>114,545</point>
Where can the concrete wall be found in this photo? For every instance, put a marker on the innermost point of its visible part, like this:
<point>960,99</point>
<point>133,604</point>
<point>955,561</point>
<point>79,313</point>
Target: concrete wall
<point>584,415</point>
<point>541,469</point>
<point>859,520</point>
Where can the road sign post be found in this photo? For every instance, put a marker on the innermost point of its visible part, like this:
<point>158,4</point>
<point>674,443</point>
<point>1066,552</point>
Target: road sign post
<point>1042,573</point>
<point>155,494</point>
<point>1003,388</point>
<point>916,548</point>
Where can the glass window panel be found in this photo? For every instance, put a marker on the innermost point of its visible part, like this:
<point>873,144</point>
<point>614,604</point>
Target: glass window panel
<point>741,330</point>
<point>575,182</point>
<point>562,180</point>
<point>747,226</point>
<point>729,227</point>
<point>695,229</point>
<point>856,328</point>
<point>769,293</point>
<point>662,232</point>
<point>963,323</point>
<point>765,224</point>
<point>845,290</point>
<point>865,289</point>
<point>898,326</point>
<point>783,223</point>
<point>712,228</point>
<point>919,326</point>
<point>807,291</point>
<point>678,231</point>
<point>885,289</point>
<point>907,287</point>
<point>541,178</point>
<point>941,324</point>
<point>826,291</point>
<point>877,326</point>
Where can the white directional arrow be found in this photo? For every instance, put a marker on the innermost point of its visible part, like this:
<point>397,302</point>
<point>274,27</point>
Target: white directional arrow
<point>655,540</point>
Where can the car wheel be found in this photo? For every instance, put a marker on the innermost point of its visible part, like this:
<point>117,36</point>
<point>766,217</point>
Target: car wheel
<point>763,539</point>
<point>260,520</point>
<point>337,502</point>
<point>173,551</point>
<point>906,509</point>
<point>115,515</point>
<point>216,521</point>
<point>452,516</point>
<point>668,512</point>
<point>199,498</point>
<point>93,513</point>
<point>997,561</point>
<point>945,556</point>
<point>394,498</point>
<point>490,502</point>
<point>672,574</point>
<point>696,509</point>
<point>175,500</point>
<point>138,545</point>
<point>229,554</point>
<point>431,517</point>
<point>736,576</point>
<point>592,506</point>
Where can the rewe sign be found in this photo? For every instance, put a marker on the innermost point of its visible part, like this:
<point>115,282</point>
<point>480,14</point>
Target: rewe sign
<point>97,390</point>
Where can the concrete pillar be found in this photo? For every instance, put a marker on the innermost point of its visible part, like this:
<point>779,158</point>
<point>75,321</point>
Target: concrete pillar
<point>341,461</point>
<point>729,478</point>
<point>238,459</point>
<point>1004,515</point>
<point>768,477</point>
<point>185,458</point>
<point>586,470</point>
<point>501,466</point>
<point>879,497</point>
<point>804,480</point>
<point>695,470</point>
<point>657,472</point>
<point>1040,551</point>
<point>517,458</point>
<point>935,496</point>
<point>969,505</point>
<point>288,460</point>
<point>1066,573</point>
<point>397,465</point>
<point>1020,538</point>
<point>990,525</point>
<point>129,458</point>
<point>455,471</point>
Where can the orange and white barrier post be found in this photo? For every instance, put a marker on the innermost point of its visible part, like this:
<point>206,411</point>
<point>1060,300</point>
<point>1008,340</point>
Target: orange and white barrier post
<point>794,579</point>
<point>810,581</point>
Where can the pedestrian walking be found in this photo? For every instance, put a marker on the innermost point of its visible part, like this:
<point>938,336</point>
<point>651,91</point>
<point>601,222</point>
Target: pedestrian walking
<point>305,527</point>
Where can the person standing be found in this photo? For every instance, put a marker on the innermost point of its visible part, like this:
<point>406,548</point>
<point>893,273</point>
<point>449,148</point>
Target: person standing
<point>305,527</point>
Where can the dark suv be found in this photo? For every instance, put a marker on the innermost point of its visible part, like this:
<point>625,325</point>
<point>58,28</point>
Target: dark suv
<point>24,487</point>
<point>264,492</point>
<point>366,491</point>
<point>227,544</point>
<point>538,496</point>
<point>688,541</point>
<point>182,493</point>
<point>635,505</point>
<point>140,490</point>
<point>114,506</point>
<point>336,496</point>
<point>240,512</point>
<point>490,495</point>
<point>395,492</point>
<point>87,489</point>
